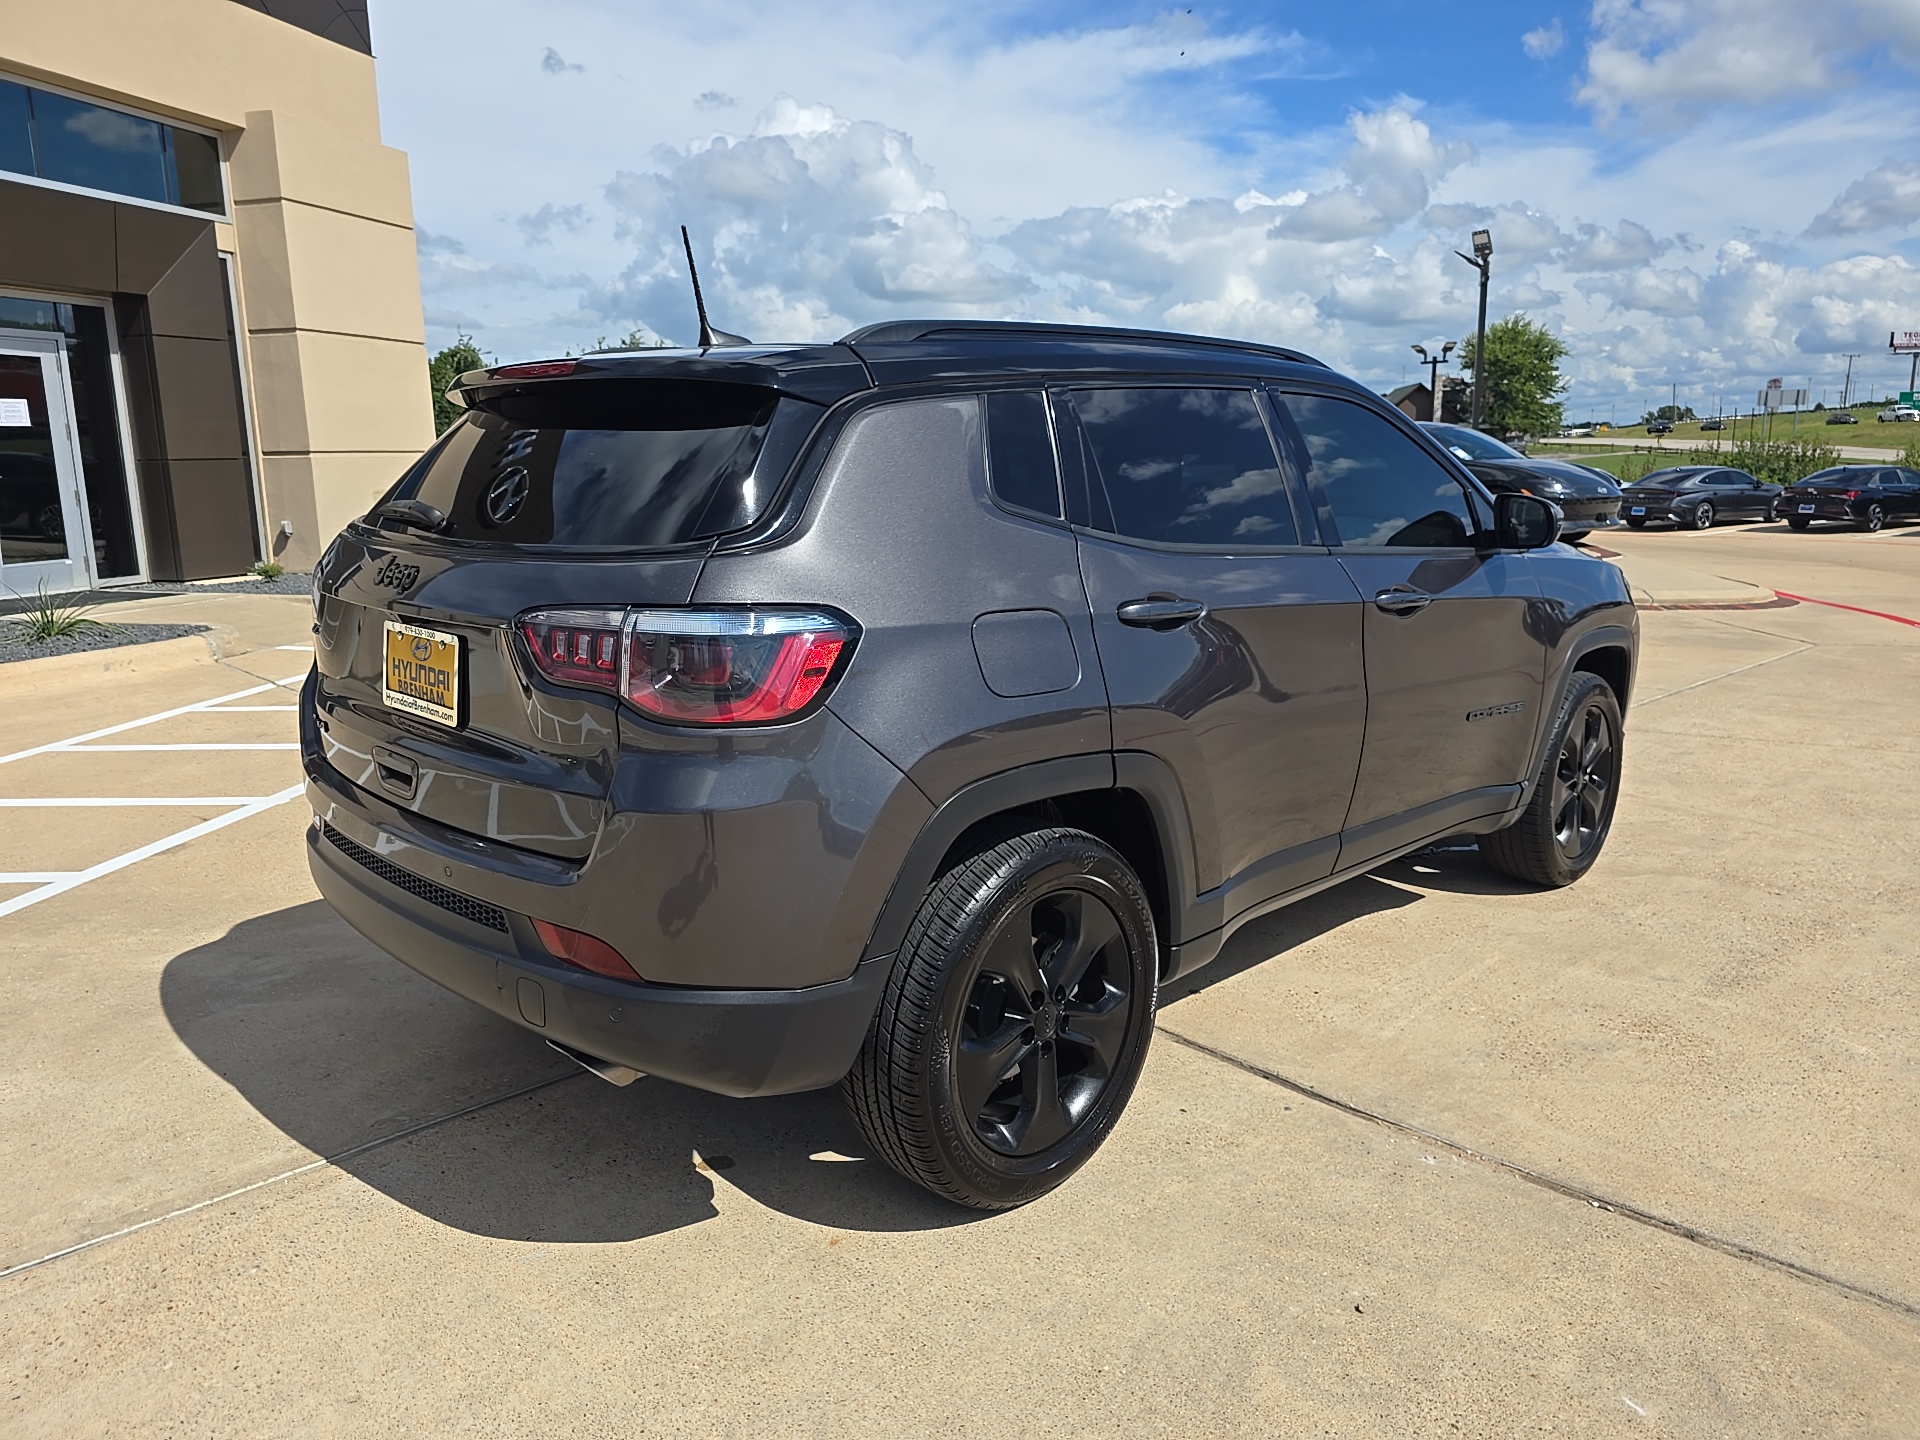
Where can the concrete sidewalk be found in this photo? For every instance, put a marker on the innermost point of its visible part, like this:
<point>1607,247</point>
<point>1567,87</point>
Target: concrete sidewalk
<point>1664,584</point>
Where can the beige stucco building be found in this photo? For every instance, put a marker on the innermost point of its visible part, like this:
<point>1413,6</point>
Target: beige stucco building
<point>211,347</point>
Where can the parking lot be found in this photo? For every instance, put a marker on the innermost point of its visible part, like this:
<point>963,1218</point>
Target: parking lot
<point>1427,1154</point>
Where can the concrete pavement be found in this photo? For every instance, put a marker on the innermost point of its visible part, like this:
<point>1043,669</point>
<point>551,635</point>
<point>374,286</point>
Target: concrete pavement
<point>1711,1032</point>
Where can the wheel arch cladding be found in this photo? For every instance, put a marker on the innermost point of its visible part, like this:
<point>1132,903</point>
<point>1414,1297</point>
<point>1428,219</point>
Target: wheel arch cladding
<point>1613,665</point>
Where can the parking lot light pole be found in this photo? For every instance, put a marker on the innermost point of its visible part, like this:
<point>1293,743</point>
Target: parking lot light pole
<point>1433,364</point>
<point>1481,260</point>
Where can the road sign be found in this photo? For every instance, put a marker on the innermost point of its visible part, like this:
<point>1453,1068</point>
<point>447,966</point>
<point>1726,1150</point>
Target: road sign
<point>1906,397</point>
<point>1774,398</point>
<point>1903,342</point>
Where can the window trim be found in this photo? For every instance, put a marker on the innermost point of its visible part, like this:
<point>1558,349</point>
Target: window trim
<point>1477,499</point>
<point>224,214</point>
<point>1067,427</point>
<point>1053,439</point>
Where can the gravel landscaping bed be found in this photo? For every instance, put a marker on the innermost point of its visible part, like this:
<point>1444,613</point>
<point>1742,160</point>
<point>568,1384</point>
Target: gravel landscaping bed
<point>15,646</point>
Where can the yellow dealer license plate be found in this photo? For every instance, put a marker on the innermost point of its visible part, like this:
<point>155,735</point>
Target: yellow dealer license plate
<point>423,673</point>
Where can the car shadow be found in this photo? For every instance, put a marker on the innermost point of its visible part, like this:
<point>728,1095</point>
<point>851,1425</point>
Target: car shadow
<point>340,1046</point>
<point>474,1123</point>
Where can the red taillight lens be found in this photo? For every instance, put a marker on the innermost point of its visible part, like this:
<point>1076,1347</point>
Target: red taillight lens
<point>694,667</point>
<point>577,647</point>
<point>1853,494</point>
<point>587,951</point>
<point>537,370</point>
<point>730,667</point>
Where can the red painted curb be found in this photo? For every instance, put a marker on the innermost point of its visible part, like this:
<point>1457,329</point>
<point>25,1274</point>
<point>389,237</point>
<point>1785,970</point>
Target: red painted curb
<point>1835,604</point>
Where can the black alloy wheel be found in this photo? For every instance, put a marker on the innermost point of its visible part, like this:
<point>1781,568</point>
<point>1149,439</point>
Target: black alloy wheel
<point>1014,1023</point>
<point>1569,812</point>
<point>1703,516</point>
<point>49,523</point>
<point>1873,517</point>
<point>1584,777</point>
<point>1045,1023</point>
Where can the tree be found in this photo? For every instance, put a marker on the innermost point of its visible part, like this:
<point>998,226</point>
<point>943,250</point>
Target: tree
<point>1523,379</point>
<point>443,370</point>
<point>1672,414</point>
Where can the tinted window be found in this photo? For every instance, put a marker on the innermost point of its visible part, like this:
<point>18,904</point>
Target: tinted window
<point>59,138</point>
<point>1186,466</point>
<point>1020,451</point>
<point>625,465</point>
<point>16,129</point>
<point>1382,487</point>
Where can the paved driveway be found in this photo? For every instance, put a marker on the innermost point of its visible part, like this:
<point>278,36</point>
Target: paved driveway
<point>1427,1154</point>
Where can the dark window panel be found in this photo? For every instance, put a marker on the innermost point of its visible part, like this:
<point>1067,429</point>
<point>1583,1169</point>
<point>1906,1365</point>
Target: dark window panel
<point>1020,452</point>
<point>196,160</point>
<point>16,129</point>
<point>1382,487</point>
<point>1187,466</point>
<point>82,144</point>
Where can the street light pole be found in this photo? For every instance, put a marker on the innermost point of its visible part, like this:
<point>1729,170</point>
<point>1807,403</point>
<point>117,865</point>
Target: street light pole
<point>1481,260</point>
<point>1433,364</point>
<point>1846,387</point>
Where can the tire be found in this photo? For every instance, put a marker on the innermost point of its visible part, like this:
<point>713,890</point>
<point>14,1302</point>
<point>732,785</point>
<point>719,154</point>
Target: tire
<point>1873,517</point>
<point>1639,524</point>
<point>1564,827</point>
<point>960,1068</point>
<point>1797,522</point>
<point>1703,516</point>
<point>50,523</point>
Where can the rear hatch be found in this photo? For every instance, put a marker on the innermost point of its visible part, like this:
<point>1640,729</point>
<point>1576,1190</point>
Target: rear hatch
<point>584,493</point>
<point>1639,500</point>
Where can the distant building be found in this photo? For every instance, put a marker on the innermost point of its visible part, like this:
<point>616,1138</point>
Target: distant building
<point>1413,401</point>
<point>210,324</point>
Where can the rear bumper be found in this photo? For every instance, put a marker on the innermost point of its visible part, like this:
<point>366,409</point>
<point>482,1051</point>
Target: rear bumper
<point>732,1042</point>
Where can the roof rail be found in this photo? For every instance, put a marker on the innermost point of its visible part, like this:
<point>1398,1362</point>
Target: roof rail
<point>905,332</point>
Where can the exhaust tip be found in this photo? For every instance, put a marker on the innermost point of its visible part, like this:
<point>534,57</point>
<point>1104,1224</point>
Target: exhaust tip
<point>607,1070</point>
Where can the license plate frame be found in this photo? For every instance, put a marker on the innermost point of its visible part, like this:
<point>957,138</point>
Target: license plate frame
<point>428,664</point>
<point>1638,510</point>
<point>1806,509</point>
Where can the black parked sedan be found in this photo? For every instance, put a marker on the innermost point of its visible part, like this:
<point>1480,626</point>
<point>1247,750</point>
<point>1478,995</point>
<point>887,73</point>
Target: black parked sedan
<point>1589,499</point>
<point>1696,496</point>
<point>1862,495</point>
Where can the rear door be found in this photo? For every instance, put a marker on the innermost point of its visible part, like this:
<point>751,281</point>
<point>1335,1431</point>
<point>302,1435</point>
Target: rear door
<point>1230,638</point>
<point>572,497</point>
<point>1456,636</point>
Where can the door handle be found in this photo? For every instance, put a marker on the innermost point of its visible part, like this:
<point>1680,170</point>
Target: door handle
<point>1403,600</point>
<point>1160,612</point>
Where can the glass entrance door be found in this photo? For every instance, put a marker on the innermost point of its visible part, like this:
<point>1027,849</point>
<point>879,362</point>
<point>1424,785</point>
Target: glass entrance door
<point>44,540</point>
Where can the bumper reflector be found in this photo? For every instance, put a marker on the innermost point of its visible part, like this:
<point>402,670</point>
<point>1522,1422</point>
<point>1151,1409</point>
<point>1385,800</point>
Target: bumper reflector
<point>586,951</point>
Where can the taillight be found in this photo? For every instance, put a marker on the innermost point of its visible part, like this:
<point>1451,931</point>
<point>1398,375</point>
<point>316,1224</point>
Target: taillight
<point>577,647</point>
<point>1853,494</point>
<point>589,952</point>
<point>537,370</point>
<point>694,667</point>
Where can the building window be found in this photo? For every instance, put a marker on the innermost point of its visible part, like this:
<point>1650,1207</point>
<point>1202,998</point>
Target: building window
<point>55,137</point>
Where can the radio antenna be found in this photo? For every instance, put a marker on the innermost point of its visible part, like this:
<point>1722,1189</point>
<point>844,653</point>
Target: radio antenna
<point>709,337</point>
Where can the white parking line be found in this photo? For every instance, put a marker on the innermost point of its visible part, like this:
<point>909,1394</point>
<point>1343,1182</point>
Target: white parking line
<point>78,878</point>
<point>61,802</point>
<point>126,725</point>
<point>33,877</point>
<point>255,710</point>
<point>126,749</point>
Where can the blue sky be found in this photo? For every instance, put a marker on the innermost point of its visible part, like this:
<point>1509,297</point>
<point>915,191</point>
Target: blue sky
<point>1704,193</point>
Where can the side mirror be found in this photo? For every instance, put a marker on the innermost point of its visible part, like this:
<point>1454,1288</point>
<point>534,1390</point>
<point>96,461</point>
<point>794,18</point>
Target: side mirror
<point>1525,522</point>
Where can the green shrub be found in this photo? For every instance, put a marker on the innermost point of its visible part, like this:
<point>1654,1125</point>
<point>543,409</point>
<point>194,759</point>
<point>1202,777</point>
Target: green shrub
<point>1910,457</point>
<point>1772,462</point>
<point>47,619</point>
<point>269,569</point>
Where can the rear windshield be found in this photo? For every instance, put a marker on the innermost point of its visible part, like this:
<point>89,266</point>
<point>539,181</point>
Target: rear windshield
<point>611,465</point>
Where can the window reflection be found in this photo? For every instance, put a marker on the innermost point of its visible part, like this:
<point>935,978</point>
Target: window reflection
<point>56,137</point>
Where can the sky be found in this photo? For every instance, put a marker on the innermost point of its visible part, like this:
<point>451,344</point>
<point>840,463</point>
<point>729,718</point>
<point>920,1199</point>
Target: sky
<point>1695,194</point>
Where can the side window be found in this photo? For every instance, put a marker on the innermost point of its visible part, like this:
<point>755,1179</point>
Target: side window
<point>1186,466</point>
<point>1020,466</point>
<point>1383,489</point>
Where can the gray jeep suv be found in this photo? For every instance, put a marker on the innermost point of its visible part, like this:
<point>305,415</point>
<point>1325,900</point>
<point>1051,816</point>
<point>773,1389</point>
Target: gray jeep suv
<point>903,712</point>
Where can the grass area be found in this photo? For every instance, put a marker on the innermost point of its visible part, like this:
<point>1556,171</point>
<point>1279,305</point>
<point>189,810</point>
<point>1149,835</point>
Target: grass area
<point>1809,424</point>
